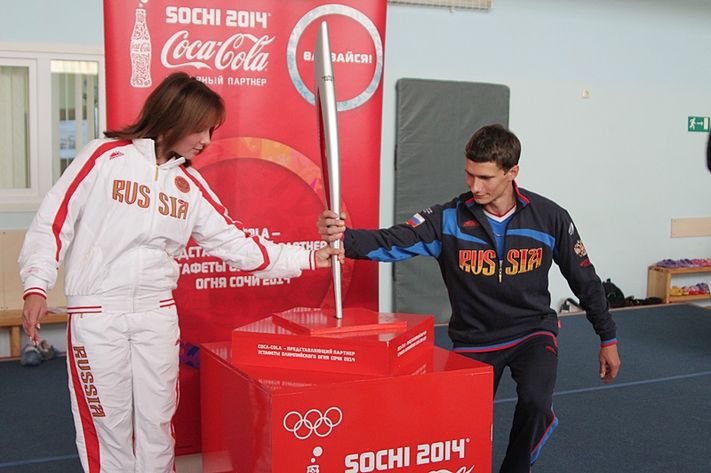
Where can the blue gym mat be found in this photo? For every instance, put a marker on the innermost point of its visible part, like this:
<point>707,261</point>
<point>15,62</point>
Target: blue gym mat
<point>656,417</point>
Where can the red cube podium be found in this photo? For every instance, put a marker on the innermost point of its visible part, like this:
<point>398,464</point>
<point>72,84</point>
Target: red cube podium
<point>300,392</point>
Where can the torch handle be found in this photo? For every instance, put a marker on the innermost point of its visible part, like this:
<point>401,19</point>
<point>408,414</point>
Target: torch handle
<point>336,268</point>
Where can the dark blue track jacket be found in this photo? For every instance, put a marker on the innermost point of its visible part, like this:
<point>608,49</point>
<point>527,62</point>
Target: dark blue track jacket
<point>495,298</point>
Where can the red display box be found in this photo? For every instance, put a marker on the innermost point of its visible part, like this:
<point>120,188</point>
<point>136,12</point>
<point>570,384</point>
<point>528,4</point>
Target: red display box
<point>435,417</point>
<point>432,413</point>
<point>363,342</point>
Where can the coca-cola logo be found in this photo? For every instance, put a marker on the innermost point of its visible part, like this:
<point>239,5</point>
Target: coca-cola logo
<point>240,51</point>
<point>366,23</point>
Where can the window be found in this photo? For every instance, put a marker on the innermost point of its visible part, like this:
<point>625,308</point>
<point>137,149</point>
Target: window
<point>75,110</point>
<point>51,105</point>
<point>14,133</point>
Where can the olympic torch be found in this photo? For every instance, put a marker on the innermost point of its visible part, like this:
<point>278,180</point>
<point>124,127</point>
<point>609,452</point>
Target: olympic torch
<point>328,136</point>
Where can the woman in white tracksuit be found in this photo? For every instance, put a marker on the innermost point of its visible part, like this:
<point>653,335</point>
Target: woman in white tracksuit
<point>117,217</point>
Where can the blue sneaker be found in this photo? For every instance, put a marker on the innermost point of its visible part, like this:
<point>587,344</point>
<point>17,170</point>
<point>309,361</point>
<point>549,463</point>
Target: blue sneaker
<point>31,356</point>
<point>46,350</point>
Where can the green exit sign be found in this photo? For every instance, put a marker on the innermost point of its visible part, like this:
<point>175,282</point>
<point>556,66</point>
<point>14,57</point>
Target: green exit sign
<point>698,123</point>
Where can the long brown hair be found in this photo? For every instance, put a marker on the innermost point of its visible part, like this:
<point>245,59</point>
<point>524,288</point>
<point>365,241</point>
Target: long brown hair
<point>179,106</point>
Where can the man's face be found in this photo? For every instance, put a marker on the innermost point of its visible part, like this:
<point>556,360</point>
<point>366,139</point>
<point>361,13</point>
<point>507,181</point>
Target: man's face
<point>487,181</point>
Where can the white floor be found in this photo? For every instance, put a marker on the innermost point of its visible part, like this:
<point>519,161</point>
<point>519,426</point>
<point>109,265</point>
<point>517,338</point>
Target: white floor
<point>188,463</point>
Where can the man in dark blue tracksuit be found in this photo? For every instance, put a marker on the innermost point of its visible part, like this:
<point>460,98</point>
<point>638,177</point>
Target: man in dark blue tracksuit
<point>495,245</point>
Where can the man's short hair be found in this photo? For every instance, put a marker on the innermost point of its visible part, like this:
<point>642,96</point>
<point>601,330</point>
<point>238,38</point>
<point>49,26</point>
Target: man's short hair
<point>494,143</point>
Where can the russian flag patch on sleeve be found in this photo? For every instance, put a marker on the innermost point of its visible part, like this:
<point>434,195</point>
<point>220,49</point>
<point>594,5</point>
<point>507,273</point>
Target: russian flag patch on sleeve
<point>415,220</point>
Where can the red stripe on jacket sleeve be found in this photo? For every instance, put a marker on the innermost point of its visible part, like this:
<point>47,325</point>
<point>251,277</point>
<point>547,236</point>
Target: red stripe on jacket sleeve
<point>63,210</point>
<point>223,212</point>
<point>265,255</point>
<point>34,290</point>
<point>218,207</point>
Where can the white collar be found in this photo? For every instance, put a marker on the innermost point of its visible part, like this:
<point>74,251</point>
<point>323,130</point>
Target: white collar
<point>147,148</point>
<point>500,218</point>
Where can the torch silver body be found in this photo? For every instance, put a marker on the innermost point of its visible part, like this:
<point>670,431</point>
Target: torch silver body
<point>328,134</point>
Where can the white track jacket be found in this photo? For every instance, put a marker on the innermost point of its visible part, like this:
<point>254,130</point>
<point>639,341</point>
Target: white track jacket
<point>118,220</point>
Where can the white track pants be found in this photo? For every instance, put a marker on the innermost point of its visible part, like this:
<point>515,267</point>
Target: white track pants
<point>123,383</point>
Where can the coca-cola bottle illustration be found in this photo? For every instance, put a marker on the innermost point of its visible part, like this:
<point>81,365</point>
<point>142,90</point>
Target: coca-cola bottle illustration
<point>140,51</point>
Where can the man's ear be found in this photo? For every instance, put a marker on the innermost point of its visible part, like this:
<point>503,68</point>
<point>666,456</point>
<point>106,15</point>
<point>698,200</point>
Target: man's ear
<point>513,172</point>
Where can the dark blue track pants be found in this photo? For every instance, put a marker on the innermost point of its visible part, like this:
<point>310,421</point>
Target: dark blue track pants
<point>534,365</point>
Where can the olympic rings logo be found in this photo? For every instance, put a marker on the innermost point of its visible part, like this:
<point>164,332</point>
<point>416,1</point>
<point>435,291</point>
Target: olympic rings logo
<point>313,422</point>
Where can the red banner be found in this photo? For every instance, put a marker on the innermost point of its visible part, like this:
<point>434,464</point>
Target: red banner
<point>264,161</point>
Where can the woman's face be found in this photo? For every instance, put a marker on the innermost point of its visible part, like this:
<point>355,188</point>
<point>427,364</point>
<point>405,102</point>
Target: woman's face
<point>191,145</point>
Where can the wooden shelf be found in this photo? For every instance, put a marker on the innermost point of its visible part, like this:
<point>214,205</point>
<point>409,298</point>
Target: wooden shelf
<point>699,269</point>
<point>659,283</point>
<point>689,298</point>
